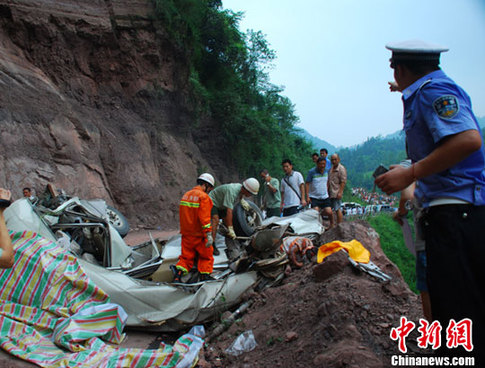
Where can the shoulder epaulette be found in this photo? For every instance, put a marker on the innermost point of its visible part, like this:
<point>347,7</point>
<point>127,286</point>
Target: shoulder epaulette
<point>425,83</point>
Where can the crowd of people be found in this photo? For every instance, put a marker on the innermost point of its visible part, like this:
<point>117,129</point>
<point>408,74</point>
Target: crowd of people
<point>322,189</point>
<point>373,197</point>
<point>446,172</point>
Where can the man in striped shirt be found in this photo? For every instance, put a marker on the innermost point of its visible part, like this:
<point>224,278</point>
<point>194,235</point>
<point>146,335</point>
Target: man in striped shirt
<point>195,227</point>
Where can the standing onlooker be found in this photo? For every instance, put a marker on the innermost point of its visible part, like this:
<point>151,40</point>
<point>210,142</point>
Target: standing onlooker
<point>324,154</point>
<point>316,189</point>
<point>444,143</point>
<point>6,249</point>
<point>195,227</point>
<point>271,194</point>
<point>337,178</point>
<point>314,157</point>
<point>292,189</point>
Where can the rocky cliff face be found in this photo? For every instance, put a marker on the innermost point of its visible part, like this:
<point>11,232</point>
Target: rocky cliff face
<point>94,100</point>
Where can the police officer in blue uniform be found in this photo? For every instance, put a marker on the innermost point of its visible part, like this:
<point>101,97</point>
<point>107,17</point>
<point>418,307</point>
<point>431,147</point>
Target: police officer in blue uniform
<point>444,143</point>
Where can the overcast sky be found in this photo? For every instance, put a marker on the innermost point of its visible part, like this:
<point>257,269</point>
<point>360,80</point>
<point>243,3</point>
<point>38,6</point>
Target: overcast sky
<point>332,60</point>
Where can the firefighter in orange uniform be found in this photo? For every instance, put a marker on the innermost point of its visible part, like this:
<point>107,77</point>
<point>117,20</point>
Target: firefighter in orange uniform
<point>195,227</point>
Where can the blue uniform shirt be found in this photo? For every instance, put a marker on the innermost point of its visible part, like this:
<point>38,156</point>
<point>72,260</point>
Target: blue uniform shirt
<point>328,165</point>
<point>434,108</point>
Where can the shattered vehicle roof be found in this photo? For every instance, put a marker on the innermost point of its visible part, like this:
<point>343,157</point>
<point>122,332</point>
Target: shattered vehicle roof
<point>149,304</point>
<point>158,304</point>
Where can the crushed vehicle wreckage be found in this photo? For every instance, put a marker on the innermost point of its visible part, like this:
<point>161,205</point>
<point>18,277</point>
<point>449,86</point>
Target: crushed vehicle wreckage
<point>139,277</point>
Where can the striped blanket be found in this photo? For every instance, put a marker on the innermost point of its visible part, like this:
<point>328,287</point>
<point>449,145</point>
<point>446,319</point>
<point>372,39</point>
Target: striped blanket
<point>53,315</point>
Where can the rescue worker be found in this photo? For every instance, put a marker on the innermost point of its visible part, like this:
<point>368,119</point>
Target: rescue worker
<point>195,227</point>
<point>225,198</point>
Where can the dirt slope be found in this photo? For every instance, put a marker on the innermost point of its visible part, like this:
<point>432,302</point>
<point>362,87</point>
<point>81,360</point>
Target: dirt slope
<point>325,315</point>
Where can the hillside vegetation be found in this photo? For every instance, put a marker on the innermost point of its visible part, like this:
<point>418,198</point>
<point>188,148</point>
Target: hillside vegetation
<point>392,243</point>
<point>229,81</point>
<point>362,160</point>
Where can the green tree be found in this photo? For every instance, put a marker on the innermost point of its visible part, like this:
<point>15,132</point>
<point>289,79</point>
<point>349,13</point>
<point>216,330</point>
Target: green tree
<point>230,82</point>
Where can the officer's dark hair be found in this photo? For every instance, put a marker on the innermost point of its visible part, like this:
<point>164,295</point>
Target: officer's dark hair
<point>264,172</point>
<point>27,188</point>
<point>286,161</point>
<point>324,150</point>
<point>418,67</point>
<point>321,158</point>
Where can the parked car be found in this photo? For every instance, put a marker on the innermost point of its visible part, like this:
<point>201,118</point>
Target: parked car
<point>352,208</point>
<point>388,208</point>
<point>378,208</point>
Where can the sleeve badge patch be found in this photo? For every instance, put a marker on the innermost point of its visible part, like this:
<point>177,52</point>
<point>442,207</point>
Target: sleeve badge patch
<point>446,106</point>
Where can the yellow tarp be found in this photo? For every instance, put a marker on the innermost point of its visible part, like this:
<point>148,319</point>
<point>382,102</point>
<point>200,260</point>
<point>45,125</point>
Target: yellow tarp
<point>355,249</point>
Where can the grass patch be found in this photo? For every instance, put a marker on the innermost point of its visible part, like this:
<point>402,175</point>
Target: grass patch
<point>392,243</point>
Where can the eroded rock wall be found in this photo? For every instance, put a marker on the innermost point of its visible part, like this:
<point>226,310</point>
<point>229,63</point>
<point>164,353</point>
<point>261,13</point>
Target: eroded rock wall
<point>94,98</point>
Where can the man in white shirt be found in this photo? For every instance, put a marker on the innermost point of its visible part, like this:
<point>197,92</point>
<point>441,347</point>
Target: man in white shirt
<point>292,189</point>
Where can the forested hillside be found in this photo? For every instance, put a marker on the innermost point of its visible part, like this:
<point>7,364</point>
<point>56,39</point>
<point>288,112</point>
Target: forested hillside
<point>362,160</point>
<point>229,81</point>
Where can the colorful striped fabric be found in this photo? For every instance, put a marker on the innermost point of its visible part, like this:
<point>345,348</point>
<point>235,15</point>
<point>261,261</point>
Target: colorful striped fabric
<point>53,315</point>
